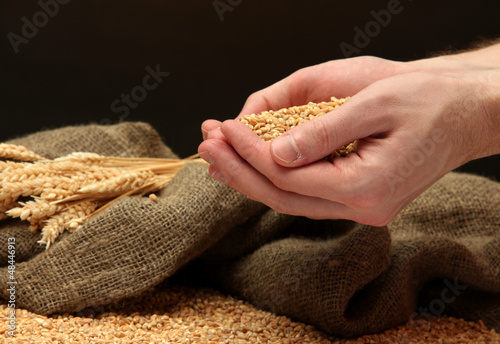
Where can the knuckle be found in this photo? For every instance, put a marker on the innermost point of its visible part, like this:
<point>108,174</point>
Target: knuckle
<point>281,204</point>
<point>248,150</point>
<point>234,168</point>
<point>254,97</point>
<point>215,134</point>
<point>368,59</point>
<point>380,99</point>
<point>277,205</point>
<point>324,137</point>
<point>315,139</point>
<point>281,182</point>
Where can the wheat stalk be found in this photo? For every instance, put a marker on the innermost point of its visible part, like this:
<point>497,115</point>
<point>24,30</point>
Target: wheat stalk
<point>61,194</point>
<point>17,153</point>
<point>67,191</point>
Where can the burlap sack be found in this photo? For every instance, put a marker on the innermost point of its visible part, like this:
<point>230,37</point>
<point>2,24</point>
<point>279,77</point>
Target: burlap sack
<point>129,248</point>
<point>352,279</point>
<point>346,278</point>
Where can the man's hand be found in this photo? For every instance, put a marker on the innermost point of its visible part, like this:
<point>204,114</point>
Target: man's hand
<point>411,127</point>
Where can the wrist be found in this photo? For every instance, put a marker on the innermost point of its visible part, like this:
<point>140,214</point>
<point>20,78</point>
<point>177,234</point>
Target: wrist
<point>447,64</point>
<point>482,114</point>
<point>491,99</point>
<point>486,58</point>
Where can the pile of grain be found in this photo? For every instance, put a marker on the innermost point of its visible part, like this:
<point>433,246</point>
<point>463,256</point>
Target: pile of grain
<point>271,124</point>
<point>179,314</point>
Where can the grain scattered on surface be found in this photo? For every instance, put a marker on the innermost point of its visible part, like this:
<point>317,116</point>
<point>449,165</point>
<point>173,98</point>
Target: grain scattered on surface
<point>179,314</point>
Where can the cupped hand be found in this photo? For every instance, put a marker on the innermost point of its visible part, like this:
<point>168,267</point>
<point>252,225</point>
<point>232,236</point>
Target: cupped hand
<point>411,128</point>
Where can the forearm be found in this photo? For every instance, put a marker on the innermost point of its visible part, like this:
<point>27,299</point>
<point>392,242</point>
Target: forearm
<point>485,56</point>
<point>474,116</point>
<point>491,98</point>
<point>479,69</point>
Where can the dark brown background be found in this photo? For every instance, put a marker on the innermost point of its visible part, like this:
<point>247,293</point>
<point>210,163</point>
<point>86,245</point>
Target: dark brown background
<point>92,51</point>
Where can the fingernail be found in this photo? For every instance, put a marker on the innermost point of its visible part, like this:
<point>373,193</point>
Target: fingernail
<point>207,157</point>
<point>219,177</point>
<point>204,133</point>
<point>285,148</point>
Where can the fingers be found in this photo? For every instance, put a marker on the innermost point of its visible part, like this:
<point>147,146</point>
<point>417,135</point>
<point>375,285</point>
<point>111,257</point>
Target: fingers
<point>339,182</point>
<point>209,125</point>
<point>315,139</point>
<point>339,78</point>
<point>210,129</point>
<point>350,188</point>
<point>305,85</point>
<point>274,97</point>
<point>228,167</point>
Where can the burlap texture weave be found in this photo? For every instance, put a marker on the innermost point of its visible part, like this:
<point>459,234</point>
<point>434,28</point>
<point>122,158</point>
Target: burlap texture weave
<point>440,255</point>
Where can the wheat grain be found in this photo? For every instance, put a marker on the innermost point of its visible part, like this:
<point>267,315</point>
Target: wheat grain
<point>119,184</point>
<point>56,225</point>
<point>82,158</point>
<point>36,209</point>
<point>17,153</point>
<point>178,314</point>
<point>5,209</point>
<point>14,190</point>
<point>271,124</point>
<point>69,190</point>
<point>6,166</point>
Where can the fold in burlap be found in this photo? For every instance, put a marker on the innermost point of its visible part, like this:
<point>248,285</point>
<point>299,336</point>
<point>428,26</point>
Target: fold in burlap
<point>345,278</point>
<point>352,279</point>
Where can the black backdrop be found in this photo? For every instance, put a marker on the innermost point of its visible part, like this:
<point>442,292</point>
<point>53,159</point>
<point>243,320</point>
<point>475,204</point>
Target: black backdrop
<point>75,58</point>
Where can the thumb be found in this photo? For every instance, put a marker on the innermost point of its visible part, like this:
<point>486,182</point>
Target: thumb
<point>321,136</point>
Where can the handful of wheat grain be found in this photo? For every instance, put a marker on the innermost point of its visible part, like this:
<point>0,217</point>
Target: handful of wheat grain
<point>61,194</point>
<point>271,124</point>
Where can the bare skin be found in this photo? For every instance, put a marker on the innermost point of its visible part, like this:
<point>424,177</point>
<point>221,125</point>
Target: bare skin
<point>414,122</point>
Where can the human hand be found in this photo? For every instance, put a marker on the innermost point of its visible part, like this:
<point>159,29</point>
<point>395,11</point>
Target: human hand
<point>342,78</point>
<point>406,125</point>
